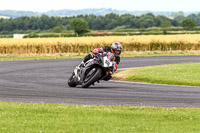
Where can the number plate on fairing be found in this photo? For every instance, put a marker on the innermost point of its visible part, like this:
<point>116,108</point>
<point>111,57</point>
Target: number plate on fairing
<point>107,62</point>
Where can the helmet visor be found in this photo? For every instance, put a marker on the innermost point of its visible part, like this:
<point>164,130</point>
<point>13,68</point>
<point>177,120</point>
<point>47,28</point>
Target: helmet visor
<point>117,52</point>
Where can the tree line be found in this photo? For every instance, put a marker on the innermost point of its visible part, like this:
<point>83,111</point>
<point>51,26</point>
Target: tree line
<point>110,21</point>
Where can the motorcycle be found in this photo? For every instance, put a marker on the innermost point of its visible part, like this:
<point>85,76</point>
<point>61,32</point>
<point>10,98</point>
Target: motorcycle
<point>98,68</point>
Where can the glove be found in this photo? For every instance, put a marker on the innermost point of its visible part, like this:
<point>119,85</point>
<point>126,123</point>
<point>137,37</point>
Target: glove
<point>97,50</point>
<point>117,59</point>
<point>115,68</point>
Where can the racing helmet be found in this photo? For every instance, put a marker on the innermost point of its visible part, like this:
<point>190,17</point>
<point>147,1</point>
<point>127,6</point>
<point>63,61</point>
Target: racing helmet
<point>116,48</point>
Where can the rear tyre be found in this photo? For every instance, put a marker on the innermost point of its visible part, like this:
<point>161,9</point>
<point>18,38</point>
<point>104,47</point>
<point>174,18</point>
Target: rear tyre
<point>93,78</point>
<point>71,82</point>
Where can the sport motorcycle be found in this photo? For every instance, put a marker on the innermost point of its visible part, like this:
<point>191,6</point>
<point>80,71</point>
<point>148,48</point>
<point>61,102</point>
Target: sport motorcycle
<point>99,68</point>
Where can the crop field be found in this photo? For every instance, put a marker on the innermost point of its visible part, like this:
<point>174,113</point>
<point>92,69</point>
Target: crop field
<point>86,44</point>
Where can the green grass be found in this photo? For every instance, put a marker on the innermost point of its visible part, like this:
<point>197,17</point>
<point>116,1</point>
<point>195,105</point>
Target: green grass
<point>175,74</point>
<point>4,58</point>
<point>160,53</point>
<point>81,55</point>
<point>24,118</point>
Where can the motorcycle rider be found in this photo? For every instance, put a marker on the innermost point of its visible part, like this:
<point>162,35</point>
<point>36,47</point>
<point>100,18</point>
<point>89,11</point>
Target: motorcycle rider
<point>115,48</point>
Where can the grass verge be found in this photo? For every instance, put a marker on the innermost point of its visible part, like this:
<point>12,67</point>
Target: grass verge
<point>160,53</point>
<point>23,118</point>
<point>38,57</point>
<point>174,74</point>
<point>81,55</point>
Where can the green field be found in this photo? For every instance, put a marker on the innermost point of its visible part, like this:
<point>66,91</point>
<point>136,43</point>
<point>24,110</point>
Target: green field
<point>39,118</point>
<point>175,74</point>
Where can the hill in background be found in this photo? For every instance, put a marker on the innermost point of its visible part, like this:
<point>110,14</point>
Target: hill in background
<point>68,12</point>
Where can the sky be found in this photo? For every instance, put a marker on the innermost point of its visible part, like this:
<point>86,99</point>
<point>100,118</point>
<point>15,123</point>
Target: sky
<point>129,5</point>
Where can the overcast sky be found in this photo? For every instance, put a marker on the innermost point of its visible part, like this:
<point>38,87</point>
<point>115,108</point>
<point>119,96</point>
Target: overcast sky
<point>129,5</point>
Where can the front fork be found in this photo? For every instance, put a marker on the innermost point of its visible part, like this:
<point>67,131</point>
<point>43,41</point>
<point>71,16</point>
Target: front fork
<point>76,74</point>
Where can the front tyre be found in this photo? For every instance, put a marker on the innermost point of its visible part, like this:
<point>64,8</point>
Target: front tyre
<point>71,82</point>
<point>91,77</point>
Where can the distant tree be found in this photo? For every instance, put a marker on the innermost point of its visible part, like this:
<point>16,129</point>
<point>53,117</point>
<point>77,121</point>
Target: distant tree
<point>195,17</point>
<point>142,27</point>
<point>175,23</point>
<point>176,14</point>
<point>179,18</point>
<point>99,23</point>
<point>165,25</point>
<point>80,26</point>
<point>188,23</point>
<point>32,35</point>
<point>110,21</point>
<point>148,19</point>
<point>58,29</point>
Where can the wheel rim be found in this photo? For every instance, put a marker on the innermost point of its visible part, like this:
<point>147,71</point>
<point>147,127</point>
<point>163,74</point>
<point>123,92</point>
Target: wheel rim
<point>90,75</point>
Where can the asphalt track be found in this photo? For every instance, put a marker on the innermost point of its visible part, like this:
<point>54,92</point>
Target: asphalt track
<point>45,81</point>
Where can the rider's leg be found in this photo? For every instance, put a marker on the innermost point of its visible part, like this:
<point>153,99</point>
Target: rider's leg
<point>87,57</point>
<point>108,77</point>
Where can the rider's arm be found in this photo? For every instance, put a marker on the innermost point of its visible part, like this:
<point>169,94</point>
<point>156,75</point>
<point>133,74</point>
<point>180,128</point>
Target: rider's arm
<point>117,59</point>
<point>107,49</point>
<point>96,50</point>
<point>115,68</point>
<point>87,57</point>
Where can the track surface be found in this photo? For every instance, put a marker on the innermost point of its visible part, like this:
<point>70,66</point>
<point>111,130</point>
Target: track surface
<point>45,81</point>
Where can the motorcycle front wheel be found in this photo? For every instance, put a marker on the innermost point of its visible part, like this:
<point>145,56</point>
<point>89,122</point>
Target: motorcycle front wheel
<point>91,77</point>
<point>71,82</point>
